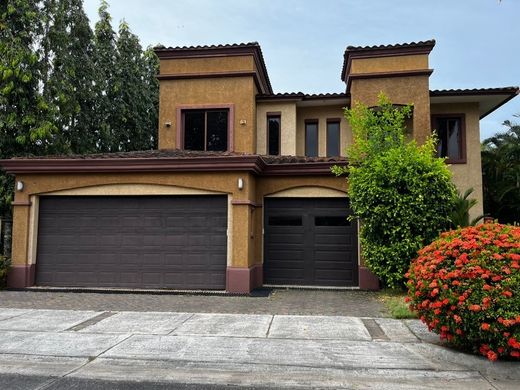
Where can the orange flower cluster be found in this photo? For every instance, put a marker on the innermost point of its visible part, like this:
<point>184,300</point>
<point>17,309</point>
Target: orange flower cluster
<point>466,287</point>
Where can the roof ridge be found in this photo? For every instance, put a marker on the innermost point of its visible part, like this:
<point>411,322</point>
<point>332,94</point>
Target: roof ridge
<point>429,42</point>
<point>212,46</point>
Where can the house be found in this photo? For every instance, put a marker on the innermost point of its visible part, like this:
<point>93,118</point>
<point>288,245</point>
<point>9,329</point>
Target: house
<point>240,192</point>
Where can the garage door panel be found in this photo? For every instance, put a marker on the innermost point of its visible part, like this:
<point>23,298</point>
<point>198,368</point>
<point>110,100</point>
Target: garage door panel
<point>325,241</point>
<point>133,241</point>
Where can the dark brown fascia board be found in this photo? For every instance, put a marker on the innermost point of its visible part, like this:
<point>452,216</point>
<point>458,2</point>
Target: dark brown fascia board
<point>249,163</point>
<point>265,84</point>
<point>511,91</point>
<point>401,73</point>
<point>383,51</point>
<point>301,97</point>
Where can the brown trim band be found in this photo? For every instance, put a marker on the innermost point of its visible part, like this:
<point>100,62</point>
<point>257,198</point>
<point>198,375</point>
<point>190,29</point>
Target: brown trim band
<point>379,75</point>
<point>21,203</point>
<point>253,163</point>
<point>245,203</point>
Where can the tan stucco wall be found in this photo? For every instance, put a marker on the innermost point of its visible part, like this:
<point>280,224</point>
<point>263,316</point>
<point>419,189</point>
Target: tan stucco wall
<point>235,90</point>
<point>241,252</point>
<point>470,174</point>
<point>389,64</point>
<point>288,127</point>
<point>205,65</point>
<point>321,113</point>
<point>400,90</point>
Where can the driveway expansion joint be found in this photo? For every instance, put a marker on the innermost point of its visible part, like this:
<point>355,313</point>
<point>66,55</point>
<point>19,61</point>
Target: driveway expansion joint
<point>91,321</point>
<point>375,331</point>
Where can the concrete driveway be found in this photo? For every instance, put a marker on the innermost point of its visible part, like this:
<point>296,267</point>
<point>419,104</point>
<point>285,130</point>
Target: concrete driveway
<point>67,349</point>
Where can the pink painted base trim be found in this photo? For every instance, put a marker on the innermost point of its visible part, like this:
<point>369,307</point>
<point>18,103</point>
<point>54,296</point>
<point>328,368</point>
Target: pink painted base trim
<point>367,280</point>
<point>21,276</point>
<point>243,280</point>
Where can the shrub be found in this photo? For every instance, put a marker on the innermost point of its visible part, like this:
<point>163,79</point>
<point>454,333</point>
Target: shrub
<point>466,287</point>
<point>401,192</point>
<point>5,264</point>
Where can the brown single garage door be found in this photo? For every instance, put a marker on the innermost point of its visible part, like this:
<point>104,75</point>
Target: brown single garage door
<point>175,242</point>
<point>309,241</point>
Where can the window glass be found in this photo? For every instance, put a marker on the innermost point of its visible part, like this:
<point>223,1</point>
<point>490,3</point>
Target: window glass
<point>217,128</point>
<point>206,130</point>
<point>273,137</point>
<point>194,130</point>
<point>285,221</point>
<point>331,221</point>
<point>311,139</point>
<point>449,132</point>
<point>333,135</point>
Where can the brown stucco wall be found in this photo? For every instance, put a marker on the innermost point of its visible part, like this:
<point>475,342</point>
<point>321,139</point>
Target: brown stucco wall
<point>321,113</point>
<point>238,91</point>
<point>400,90</point>
<point>389,64</point>
<point>206,65</point>
<point>469,174</point>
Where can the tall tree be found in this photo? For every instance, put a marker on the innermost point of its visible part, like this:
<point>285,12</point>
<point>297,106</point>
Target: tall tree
<point>23,110</point>
<point>68,50</point>
<point>106,63</point>
<point>501,174</point>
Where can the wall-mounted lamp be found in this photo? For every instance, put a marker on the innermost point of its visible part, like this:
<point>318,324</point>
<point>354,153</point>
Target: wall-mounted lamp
<point>243,122</point>
<point>168,124</point>
<point>240,183</point>
<point>19,185</point>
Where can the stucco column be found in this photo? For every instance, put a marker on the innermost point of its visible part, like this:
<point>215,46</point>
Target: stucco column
<point>21,273</point>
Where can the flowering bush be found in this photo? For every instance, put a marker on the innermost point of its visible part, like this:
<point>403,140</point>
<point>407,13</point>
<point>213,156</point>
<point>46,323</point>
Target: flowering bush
<point>466,287</point>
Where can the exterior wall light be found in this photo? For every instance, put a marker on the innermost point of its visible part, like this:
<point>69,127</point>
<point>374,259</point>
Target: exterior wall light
<point>168,124</point>
<point>243,122</point>
<point>240,183</point>
<point>19,185</point>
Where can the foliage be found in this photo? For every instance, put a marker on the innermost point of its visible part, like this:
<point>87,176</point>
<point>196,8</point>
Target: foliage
<point>460,214</point>
<point>395,302</point>
<point>466,287</point>
<point>65,89</point>
<point>400,191</point>
<point>501,174</point>
<point>5,264</point>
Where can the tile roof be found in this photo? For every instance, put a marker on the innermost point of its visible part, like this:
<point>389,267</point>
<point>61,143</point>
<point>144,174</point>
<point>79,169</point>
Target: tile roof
<point>222,47</point>
<point>411,46</point>
<point>476,91</point>
<point>304,96</point>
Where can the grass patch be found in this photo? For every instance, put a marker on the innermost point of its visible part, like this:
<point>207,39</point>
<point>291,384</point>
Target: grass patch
<point>395,304</point>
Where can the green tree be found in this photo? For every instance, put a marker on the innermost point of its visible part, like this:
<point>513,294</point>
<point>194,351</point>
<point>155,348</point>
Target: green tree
<point>24,128</point>
<point>459,216</point>
<point>400,191</point>
<point>69,84</point>
<point>501,174</point>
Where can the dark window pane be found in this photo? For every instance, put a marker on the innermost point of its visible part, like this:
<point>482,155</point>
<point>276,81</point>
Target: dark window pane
<point>194,130</point>
<point>331,221</point>
<point>285,221</point>
<point>450,138</point>
<point>333,139</point>
<point>217,122</point>
<point>311,139</point>
<point>273,125</point>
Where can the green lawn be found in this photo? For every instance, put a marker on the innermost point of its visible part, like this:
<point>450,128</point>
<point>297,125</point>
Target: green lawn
<point>394,302</point>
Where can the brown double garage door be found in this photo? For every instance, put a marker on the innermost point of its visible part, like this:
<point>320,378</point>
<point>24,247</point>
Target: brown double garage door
<point>133,242</point>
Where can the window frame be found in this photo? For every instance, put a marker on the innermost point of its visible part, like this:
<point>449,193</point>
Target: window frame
<point>205,107</point>
<point>317,123</point>
<point>462,135</point>
<point>329,121</point>
<point>275,114</point>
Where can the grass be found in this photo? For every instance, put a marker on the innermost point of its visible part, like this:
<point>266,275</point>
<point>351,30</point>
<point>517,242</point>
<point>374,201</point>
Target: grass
<point>395,304</point>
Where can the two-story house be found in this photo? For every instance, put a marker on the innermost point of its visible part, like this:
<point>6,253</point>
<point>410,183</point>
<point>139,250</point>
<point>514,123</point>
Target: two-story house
<point>240,192</point>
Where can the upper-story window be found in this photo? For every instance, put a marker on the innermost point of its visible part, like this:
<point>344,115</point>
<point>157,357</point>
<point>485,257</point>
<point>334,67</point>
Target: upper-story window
<point>451,132</point>
<point>273,133</point>
<point>333,137</point>
<point>206,129</point>
<point>311,137</point>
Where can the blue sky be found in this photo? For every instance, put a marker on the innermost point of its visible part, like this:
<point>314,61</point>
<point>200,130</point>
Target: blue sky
<point>303,40</point>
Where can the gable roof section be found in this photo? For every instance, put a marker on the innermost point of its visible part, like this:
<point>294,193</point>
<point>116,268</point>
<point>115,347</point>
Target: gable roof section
<point>175,160</point>
<point>421,47</point>
<point>235,49</point>
<point>489,99</point>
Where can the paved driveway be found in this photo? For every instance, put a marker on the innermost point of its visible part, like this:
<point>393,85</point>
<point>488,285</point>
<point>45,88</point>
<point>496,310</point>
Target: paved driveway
<point>280,301</point>
<point>63,349</point>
